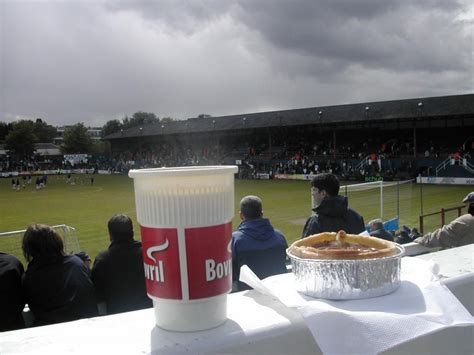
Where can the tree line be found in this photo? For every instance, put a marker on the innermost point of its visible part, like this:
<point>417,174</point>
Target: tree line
<point>21,136</point>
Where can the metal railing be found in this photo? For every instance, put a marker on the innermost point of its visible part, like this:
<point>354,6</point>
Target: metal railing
<point>442,212</point>
<point>71,243</point>
<point>463,162</point>
<point>363,162</point>
<point>442,165</point>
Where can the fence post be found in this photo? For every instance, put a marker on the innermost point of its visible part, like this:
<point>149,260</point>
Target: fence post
<point>442,217</point>
<point>421,224</point>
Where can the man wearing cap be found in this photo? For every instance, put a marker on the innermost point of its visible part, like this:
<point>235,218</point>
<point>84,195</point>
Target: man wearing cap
<point>256,244</point>
<point>457,233</point>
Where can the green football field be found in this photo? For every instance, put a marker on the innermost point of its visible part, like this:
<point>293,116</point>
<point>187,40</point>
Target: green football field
<point>287,203</point>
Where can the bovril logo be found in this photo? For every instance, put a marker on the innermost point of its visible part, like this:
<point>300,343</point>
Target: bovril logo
<point>155,272</point>
<point>218,270</point>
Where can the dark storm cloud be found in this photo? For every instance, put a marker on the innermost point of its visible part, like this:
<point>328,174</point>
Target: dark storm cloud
<point>395,35</point>
<point>176,15</point>
<point>90,61</point>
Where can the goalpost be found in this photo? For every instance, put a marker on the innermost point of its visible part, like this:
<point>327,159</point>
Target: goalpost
<point>367,186</point>
<point>10,242</point>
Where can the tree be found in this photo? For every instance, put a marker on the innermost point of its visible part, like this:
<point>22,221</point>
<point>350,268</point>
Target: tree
<point>110,127</point>
<point>5,128</point>
<point>20,141</point>
<point>139,118</point>
<point>167,120</point>
<point>101,147</point>
<point>77,140</point>
<point>44,132</point>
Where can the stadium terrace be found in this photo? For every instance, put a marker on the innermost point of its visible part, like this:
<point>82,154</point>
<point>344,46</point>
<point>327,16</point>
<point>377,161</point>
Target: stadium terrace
<point>363,141</point>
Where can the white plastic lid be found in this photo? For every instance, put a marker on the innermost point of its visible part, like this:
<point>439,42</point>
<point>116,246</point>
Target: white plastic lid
<point>183,171</point>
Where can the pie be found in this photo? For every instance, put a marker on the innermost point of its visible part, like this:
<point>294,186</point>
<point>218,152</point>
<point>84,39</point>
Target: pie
<point>342,246</point>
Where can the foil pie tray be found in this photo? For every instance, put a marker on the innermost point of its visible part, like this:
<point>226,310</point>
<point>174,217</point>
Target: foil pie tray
<point>347,279</point>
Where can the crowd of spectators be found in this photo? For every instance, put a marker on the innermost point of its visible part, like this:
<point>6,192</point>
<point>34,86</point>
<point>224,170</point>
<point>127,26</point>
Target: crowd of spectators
<point>349,160</point>
<point>59,287</point>
<point>352,159</point>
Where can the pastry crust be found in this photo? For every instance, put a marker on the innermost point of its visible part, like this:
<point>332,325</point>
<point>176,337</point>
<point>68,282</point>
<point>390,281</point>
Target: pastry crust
<point>344,247</point>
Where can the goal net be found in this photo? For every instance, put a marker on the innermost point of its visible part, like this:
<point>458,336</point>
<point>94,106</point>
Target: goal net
<point>10,242</point>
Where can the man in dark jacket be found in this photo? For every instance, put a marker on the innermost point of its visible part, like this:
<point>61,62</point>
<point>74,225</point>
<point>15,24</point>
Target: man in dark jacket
<point>332,213</point>
<point>11,296</point>
<point>118,274</point>
<point>377,230</point>
<point>256,244</point>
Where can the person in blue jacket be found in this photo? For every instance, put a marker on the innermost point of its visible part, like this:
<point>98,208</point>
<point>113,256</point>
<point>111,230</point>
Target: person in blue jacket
<point>256,244</point>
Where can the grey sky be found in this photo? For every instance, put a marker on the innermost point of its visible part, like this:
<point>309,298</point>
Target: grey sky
<point>92,61</point>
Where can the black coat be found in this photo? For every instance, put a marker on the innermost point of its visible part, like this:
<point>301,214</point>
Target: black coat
<point>59,290</point>
<point>333,215</point>
<point>119,277</point>
<point>382,234</point>
<point>11,296</point>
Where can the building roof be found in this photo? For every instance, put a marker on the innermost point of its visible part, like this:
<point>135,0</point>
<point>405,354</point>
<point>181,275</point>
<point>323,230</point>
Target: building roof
<point>40,148</point>
<point>46,146</point>
<point>427,107</point>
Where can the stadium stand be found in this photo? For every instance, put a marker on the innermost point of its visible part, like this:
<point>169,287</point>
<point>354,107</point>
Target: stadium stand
<point>392,139</point>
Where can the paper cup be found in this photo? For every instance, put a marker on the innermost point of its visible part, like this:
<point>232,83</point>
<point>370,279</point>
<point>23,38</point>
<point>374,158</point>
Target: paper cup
<point>185,216</point>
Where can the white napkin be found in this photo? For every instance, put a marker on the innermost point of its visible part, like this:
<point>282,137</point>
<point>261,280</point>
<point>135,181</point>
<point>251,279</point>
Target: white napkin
<point>420,306</point>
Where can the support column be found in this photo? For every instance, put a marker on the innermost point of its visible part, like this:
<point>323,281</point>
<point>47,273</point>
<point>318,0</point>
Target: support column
<point>414,140</point>
<point>269,141</point>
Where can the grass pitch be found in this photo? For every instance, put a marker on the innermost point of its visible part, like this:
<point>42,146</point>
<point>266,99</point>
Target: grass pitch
<point>287,204</point>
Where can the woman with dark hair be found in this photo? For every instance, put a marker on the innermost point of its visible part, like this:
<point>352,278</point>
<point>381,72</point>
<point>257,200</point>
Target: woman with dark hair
<point>57,286</point>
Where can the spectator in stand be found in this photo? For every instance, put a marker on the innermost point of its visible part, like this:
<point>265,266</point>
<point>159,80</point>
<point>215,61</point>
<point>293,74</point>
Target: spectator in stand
<point>457,157</point>
<point>378,230</point>
<point>331,213</point>
<point>118,273</point>
<point>256,244</point>
<point>457,233</point>
<point>11,296</point>
<point>57,286</point>
<point>403,238</point>
<point>414,233</point>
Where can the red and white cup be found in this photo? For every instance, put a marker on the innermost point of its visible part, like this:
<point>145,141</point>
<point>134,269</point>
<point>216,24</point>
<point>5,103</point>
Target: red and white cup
<point>185,216</point>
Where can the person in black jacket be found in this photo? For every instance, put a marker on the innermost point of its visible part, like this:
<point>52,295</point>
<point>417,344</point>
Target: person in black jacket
<point>118,273</point>
<point>11,296</point>
<point>57,286</point>
<point>378,230</point>
<point>331,213</point>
